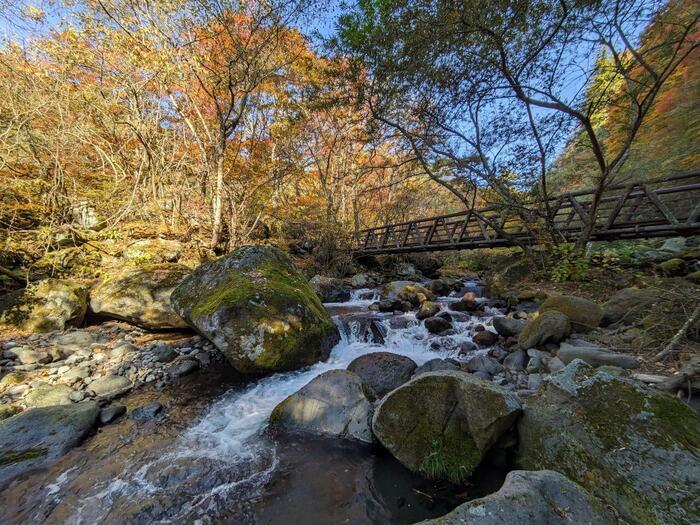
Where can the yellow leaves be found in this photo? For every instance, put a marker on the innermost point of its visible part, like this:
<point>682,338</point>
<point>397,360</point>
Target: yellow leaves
<point>33,13</point>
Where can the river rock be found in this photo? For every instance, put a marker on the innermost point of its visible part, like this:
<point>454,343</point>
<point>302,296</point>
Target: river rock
<point>38,436</point>
<point>541,497</point>
<point>435,365</point>
<point>154,250</point>
<point>73,341</point>
<point>442,286</point>
<point>516,361</point>
<point>110,413</point>
<point>584,314</point>
<point>382,372</point>
<point>409,291</point>
<point>437,325</point>
<point>330,290</point>
<point>628,306</point>
<point>548,327</point>
<point>45,306</point>
<point>43,395</point>
<point>508,327</point>
<point>27,356</point>
<point>595,356</point>
<point>427,309</point>
<point>148,412</point>
<point>140,295</point>
<point>485,338</point>
<point>362,280</point>
<point>184,367</point>
<point>636,448</point>
<point>258,309</point>
<point>332,405</point>
<point>441,424</point>
<point>483,363</point>
<point>110,386</point>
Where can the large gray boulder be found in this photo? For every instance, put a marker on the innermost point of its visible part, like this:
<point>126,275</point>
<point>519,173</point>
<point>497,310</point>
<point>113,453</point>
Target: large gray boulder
<point>140,295</point>
<point>441,424</point>
<point>382,372</point>
<point>636,448</point>
<point>45,306</point>
<point>38,436</point>
<point>329,289</point>
<point>331,405</point>
<point>628,306</point>
<point>258,309</point>
<point>542,497</point>
<point>549,327</point>
<point>584,314</point>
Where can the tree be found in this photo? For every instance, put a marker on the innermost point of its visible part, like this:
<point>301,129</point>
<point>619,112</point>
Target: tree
<point>487,93</point>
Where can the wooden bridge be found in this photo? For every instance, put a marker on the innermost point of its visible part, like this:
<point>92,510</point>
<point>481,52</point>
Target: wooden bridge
<point>656,208</point>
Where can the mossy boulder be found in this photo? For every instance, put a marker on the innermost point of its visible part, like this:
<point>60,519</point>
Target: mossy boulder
<point>38,436</point>
<point>629,306</point>
<point>331,405</point>
<point>258,309</point>
<point>45,306</point>
<point>584,314</point>
<point>140,295</point>
<point>636,448</point>
<point>673,267</point>
<point>548,327</point>
<point>441,424</point>
<point>694,277</point>
<point>542,497</point>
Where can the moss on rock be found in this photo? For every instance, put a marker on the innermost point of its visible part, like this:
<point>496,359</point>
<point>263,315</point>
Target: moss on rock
<point>634,447</point>
<point>258,309</point>
<point>45,306</point>
<point>441,424</point>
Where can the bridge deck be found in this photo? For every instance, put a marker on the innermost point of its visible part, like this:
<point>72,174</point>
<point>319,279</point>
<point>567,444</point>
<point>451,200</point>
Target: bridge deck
<point>657,208</point>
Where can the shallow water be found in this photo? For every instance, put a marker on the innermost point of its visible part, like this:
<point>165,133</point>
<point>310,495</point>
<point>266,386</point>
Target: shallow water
<point>211,460</point>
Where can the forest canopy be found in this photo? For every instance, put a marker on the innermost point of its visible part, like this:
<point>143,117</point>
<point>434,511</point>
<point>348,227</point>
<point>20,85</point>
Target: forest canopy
<point>227,122</point>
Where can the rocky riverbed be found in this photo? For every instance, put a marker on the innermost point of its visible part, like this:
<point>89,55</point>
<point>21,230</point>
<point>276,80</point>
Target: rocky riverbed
<point>427,405</point>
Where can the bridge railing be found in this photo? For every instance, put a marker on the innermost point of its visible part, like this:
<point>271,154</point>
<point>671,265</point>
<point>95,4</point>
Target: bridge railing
<point>654,208</point>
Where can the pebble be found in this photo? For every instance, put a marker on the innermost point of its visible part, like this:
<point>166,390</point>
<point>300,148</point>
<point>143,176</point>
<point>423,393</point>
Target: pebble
<point>77,396</point>
<point>17,390</point>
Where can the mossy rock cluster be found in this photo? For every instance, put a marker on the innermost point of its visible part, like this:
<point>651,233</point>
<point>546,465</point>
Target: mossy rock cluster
<point>636,448</point>
<point>441,424</point>
<point>45,306</point>
<point>258,309</point>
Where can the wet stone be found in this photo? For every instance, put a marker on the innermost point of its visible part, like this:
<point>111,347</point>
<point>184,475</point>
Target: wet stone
<point>110,413</point>
<point>149,411</point>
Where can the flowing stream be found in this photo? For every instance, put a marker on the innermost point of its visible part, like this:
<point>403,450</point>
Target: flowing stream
<point>213,462</point>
